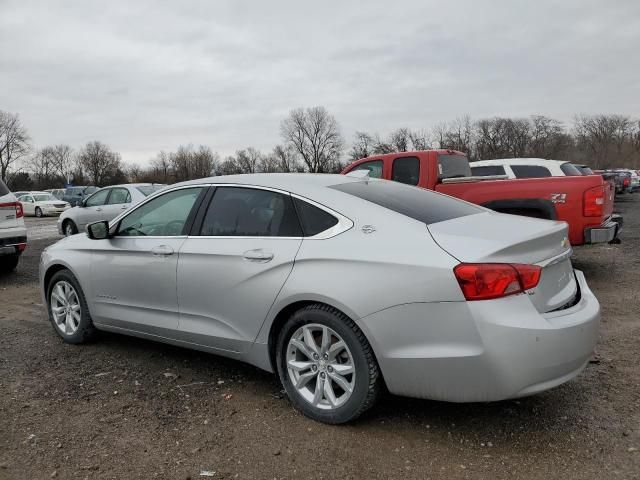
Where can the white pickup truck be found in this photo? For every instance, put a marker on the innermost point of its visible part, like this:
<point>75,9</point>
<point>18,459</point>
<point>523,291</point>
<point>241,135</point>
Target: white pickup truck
<point>13,233</point>
<point>524,168</point>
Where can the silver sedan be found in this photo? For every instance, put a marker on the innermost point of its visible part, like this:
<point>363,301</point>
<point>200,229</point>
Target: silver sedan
<point>339,284</point>
<point>105,204</point>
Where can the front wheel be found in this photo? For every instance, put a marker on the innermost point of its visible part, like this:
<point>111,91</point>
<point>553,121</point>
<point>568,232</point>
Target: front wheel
<point>326,365</point>
<point>68,311</point>
<point>69,228</point>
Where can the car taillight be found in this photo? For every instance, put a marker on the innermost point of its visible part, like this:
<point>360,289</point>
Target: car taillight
<point>484,281</point>
<point>16,205</point>
<point>594,202</point>
<point>626,181</point>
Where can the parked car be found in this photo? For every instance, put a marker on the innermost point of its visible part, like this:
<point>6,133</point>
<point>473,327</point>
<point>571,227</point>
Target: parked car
<point>634,179</point>
<point>13,234</point>
<point>105,204</point>
<point>339,284</point>
<point>620,180</point>
<point>76,195</point>
<point>56,192</point>
<point>584,202</point>
<point>584,169</point>
<point>40,204</point>
<point>524,168</point>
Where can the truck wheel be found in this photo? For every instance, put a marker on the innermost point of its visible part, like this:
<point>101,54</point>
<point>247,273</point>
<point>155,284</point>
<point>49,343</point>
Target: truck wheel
<point>326,365</point>
<point>9,263</point>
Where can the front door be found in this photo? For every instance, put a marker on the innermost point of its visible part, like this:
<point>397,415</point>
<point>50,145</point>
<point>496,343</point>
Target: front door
<point>232,269</point>
<point>134,273</point>
<point>91,210</point>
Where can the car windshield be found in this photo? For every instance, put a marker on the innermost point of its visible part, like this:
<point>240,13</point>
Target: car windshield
<point>43,197</point>
<point>453,166</point>
<point>147,190</point>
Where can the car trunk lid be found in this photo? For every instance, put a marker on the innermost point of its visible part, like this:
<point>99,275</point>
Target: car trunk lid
<point>492,237</point>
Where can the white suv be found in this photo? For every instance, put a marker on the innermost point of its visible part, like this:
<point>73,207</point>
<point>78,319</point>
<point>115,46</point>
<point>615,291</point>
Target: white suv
<point>13,234</point>
<point>524,168</point>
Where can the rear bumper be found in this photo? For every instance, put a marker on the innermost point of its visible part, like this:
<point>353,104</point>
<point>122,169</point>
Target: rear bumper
<point>485,350</point>
<point>607,232</point>
<point>13,240</point>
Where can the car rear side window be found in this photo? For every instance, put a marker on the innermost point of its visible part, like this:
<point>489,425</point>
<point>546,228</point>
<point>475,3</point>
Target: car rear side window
<point>530,171</point>
<point>374,167</point>
<point>314,220</point>
<point>453,166</point>
<point>406,170</point>
<point>488,170</point>
<point>118,196</point>
<point>570,170</point>
<point>250,212</point>
<point>422,205</point>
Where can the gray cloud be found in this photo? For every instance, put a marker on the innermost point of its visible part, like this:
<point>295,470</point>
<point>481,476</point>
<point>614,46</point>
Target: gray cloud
<point>145,76</point>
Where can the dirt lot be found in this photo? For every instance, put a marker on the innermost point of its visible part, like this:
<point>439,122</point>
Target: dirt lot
<point>129,408</point>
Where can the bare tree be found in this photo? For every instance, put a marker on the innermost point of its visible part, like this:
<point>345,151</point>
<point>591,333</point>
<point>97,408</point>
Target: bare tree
<point>547,138</point>
<point>99,162</point>
<point>14,141</point>
<point>287,158</point>
<point>315,135</point>
<point>248,160</point>
<point>229,166</point>
<point>363,146</point>
<point>161,167</point>
<point>608,139</point>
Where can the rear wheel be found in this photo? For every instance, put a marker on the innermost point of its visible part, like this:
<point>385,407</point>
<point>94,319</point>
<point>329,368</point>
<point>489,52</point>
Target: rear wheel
<point>68,311</point>
<point>326,365</point>
<point>38,212</point>
<point>8,263</point>
<point>69,228</point>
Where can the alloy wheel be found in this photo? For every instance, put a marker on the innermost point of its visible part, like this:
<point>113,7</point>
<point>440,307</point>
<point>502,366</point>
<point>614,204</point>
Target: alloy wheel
<point>65,307</point>
<point>320,366</point>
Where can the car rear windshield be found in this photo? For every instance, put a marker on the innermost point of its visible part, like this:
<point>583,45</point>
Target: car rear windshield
<point>570,170</point>
<point>3,189</point>
<point>147,190</point>
<point>422,205</point>
<point>453,166</point>
<point>43,197</point>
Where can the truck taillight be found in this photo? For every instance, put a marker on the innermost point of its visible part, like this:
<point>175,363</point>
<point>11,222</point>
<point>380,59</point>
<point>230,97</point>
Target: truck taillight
<point>626,181</point>
<point>594,202</point>
<point>484,281</point>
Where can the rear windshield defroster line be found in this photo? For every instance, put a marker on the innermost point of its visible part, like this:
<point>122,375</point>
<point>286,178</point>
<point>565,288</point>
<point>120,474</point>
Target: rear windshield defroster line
<point>417,203</point>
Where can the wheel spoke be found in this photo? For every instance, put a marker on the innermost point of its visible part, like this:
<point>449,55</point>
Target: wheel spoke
<point>342,368</point>
<point>319,393</point>
<point>341,381</point>
<point>326,340</point>
<point>329,393</point>
<point>76,318</point>
<point>75,308</point>
<point>299,366</point>
<point>309,340</point>
<point>68,328</point>
<point>304,379</point>
<point>301,348</point>
<point>57,310</point>
<point>335,349</point>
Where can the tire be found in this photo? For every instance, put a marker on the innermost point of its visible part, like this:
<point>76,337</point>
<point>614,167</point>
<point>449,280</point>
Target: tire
<point>69,228</point>
<point>38,212</point>
<point>339,405</point>
<point>71,327</point>
<point>9,263</point>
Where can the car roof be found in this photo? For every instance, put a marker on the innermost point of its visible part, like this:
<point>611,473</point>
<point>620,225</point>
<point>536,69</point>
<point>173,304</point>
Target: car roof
<point>290,182</point>
<point>517,161</point>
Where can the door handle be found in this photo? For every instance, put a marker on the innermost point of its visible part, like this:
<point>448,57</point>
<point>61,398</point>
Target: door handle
<point>162,251</point>
<point>124,207</point>
<point>258,255</point>
<point>98,209</point>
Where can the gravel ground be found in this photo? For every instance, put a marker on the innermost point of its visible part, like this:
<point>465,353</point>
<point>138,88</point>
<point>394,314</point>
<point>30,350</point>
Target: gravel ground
<point>129,408</point>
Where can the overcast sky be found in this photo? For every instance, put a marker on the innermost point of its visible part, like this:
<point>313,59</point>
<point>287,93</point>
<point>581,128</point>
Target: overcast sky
<point>146,76</point>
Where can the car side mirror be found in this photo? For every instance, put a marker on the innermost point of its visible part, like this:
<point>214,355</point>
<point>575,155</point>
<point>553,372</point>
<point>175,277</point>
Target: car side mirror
<point>98,230</point>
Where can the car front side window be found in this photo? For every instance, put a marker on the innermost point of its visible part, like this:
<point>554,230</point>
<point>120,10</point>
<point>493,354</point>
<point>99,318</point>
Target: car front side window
<point>98,198</point>
<point>165,215</point>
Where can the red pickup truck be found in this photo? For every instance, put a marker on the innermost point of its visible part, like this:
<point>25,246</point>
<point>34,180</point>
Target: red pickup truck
<point>584,202</point>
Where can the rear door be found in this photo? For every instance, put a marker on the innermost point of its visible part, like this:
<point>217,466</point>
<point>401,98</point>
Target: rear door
<point>232,267</point>
<point>28,204</point>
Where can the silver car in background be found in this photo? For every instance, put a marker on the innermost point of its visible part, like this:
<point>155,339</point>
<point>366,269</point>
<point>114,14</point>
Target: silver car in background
<point>105,204</point>
<point>339,284</point>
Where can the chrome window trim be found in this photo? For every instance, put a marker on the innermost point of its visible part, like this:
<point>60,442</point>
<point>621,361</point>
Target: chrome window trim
<point>342,226</point>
